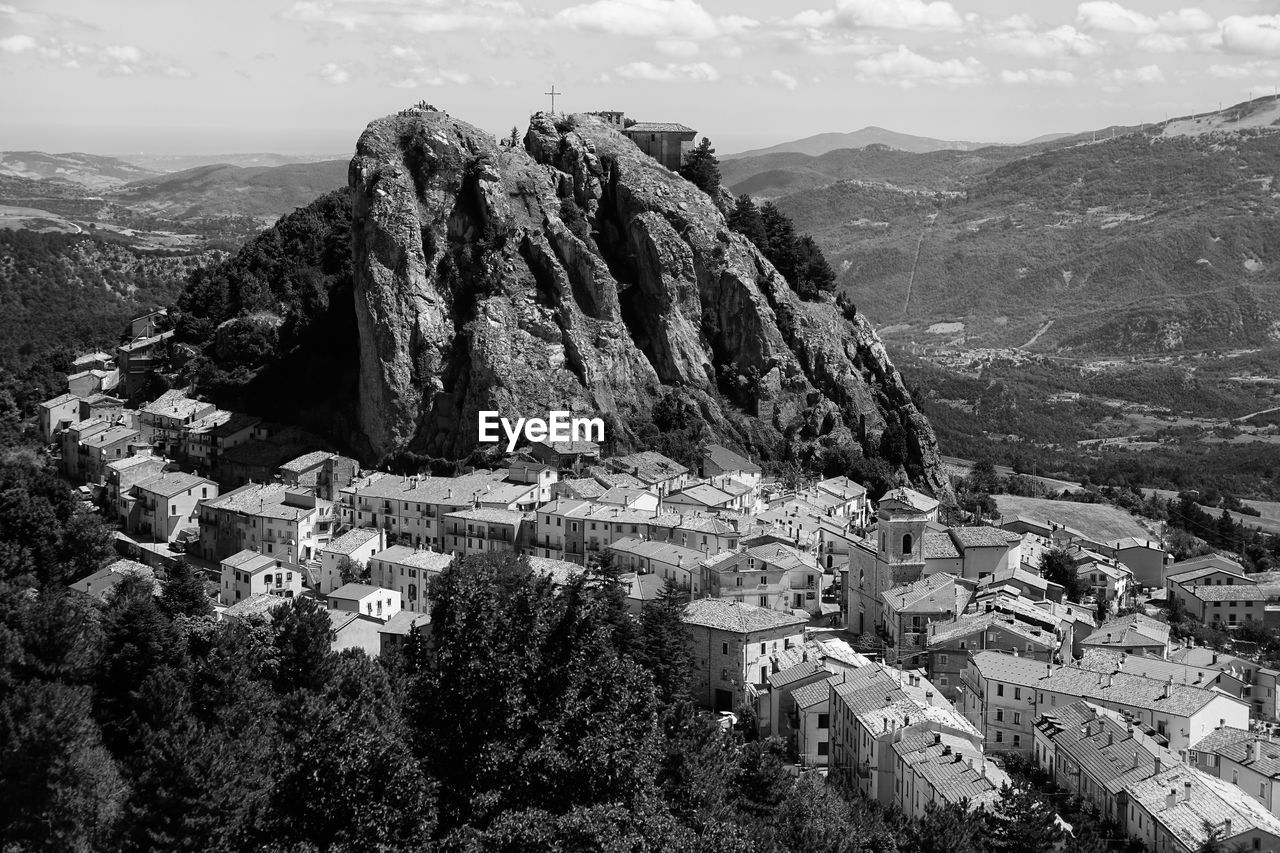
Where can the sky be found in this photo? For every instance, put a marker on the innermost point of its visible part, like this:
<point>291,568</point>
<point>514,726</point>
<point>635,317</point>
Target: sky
<point>306,76</point>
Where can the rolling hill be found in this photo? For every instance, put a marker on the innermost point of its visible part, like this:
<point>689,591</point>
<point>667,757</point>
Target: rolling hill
<point>821,143</point>
<point>260,192</point>
<point>90,170</point>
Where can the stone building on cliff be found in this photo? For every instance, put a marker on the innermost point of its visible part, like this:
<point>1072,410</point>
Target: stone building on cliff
<point>667,142</point>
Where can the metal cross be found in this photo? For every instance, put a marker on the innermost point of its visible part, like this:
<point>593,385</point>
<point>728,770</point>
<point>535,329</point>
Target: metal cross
<point>553,94</point>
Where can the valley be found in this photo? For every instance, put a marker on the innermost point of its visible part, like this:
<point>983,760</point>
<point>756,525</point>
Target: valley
<point>1098,305</point>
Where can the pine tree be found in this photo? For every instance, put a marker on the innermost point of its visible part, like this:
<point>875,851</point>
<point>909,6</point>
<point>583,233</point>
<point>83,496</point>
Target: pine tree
<point>302,635</point>
<point>1022,822</point>
<point>702,169</point>
<point>745,219</point>
<point>663,648</point>
<point>183,593</point>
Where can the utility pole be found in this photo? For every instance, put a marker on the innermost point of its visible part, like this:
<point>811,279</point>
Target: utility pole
<point>553,94</point>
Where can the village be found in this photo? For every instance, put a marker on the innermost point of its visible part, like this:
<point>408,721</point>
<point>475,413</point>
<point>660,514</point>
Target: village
<point>905,657</point>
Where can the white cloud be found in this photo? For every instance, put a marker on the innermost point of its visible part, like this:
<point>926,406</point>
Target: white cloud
<point>1249,70</point>
<point>421,16</point>
<point>898,14</point>
<point>176,71</point>
<point>1059,42</point>
<point>333,73</point>
<point>17,44</point>
<point>669,73</point>
<point>1146,75</point>
<point>680,19</point>
<point>676,47</point>
<point>1038,77</point>
<point>1110,16</point>
<point>125,53</point>
<point>783,79</point>
<point>434,79</point>
<point>1256,34</point>
<point>904,67</point>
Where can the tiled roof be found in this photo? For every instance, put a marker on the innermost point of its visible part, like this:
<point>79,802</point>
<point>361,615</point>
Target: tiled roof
<point>917,500</point>
<point>663,552</point>
<point>252,561</point>
<point>490,516</point>
<point>306,461</point>
<point>811,694</point>
<point>353,591</point>
<point>258,604</point>
<point>933,594</point>
<point>1224,592</point>
<point>976,623</point>
<point>658,127</point>
<point>842,487</point>
<point>938,546</point>
<point>582,488</point>
<point>173,483</point>
<point>59,400</point>
<point>404,621</point>
<point>456,491</point>
<point>648,466</point>
<point>1120,688</point>
<point>983,537</point>
<point>792,674</point>
<point>403,555</point>
<point>1209,561</point>
<point>1107,748</point>
<point>726,460</point>
<point>351,540</point>
<point>956,770</point>
<point>741,618</point>
<point>1237,745</point>
<point>704,494</point>
<point>1212,801</point>
<point>559,571</point>
<point>1136,629</point>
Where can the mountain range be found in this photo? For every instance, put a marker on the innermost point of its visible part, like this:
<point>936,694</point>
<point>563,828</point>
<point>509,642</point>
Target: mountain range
<point>823,142</point>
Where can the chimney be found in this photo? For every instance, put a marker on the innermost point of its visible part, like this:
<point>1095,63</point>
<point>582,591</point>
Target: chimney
<point>1171,798</point>
<point>1135,759</point>
<point>1254,749</point>
<point>1226,828</point>
<point>1111,739</point>
<point>1159,766</point>
<point>1215,658</point>
<point>1186,791</point>
<point>937,737</point>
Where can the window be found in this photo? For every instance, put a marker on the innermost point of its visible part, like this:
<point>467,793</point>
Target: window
<point>764,601</point>
<point>724,648</point>
<point>823,746</point>
<point>824,721</point>
<point>942,680</point>
<point>942,659</point>
<point>763,649</point>
<point>1017,741</point>
<point>1017,718</point>
<point>999,689</point>
<point>1235,777</point>
<point>999,736</point>
<point>1017,693</point>
<point>906,543</point>
<point>999,715</point>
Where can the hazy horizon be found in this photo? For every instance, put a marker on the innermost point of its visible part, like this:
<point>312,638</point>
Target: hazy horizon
<point>306,76</point>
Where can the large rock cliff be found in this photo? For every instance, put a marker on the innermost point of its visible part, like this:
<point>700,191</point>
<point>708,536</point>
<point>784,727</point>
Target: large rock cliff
<point>577,273</point>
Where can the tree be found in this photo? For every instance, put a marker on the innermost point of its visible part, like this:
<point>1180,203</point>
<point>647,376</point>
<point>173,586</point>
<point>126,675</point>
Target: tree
<point>352,571</point>
<point>663,647</point>
<point>1056,567</point>
<point>59,787</point>
<point>513,141</point>
<point>1022,822</point>
<point>702,169</point>
<point>183,593</point>
<point>946,829</point>
<point>302,635</point>
<point>745,219</point>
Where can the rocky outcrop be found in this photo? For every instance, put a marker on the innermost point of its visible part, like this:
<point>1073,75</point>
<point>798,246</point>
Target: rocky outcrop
<point>579,274</point>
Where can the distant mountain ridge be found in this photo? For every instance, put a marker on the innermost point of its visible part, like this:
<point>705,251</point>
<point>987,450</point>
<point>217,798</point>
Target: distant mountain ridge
<point>821,143</point>
<point>182,162</point>
<point>90,170</point>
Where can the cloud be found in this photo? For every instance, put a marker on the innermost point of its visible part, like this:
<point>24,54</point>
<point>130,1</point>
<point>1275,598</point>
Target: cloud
<point>1243,72</point>
<point>333,73</point>
<point>1110,16</point>
<point>1254,34</point>
<point>701,72</point>
<point>1146,75</point>
<point>17,44</point>
<point>122,53</point>
<point>680,19</point>
<point>1038,77</point>
<point>906,68</point>
<point>783,79</point>
<point>420,16</point>
<point>1063,41</point>
<point>676,47</point>
<point>1163,43</point>
<point>898,14</point>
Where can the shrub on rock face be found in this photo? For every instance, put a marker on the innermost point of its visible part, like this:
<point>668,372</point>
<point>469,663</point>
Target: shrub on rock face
<point>702,169</point>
